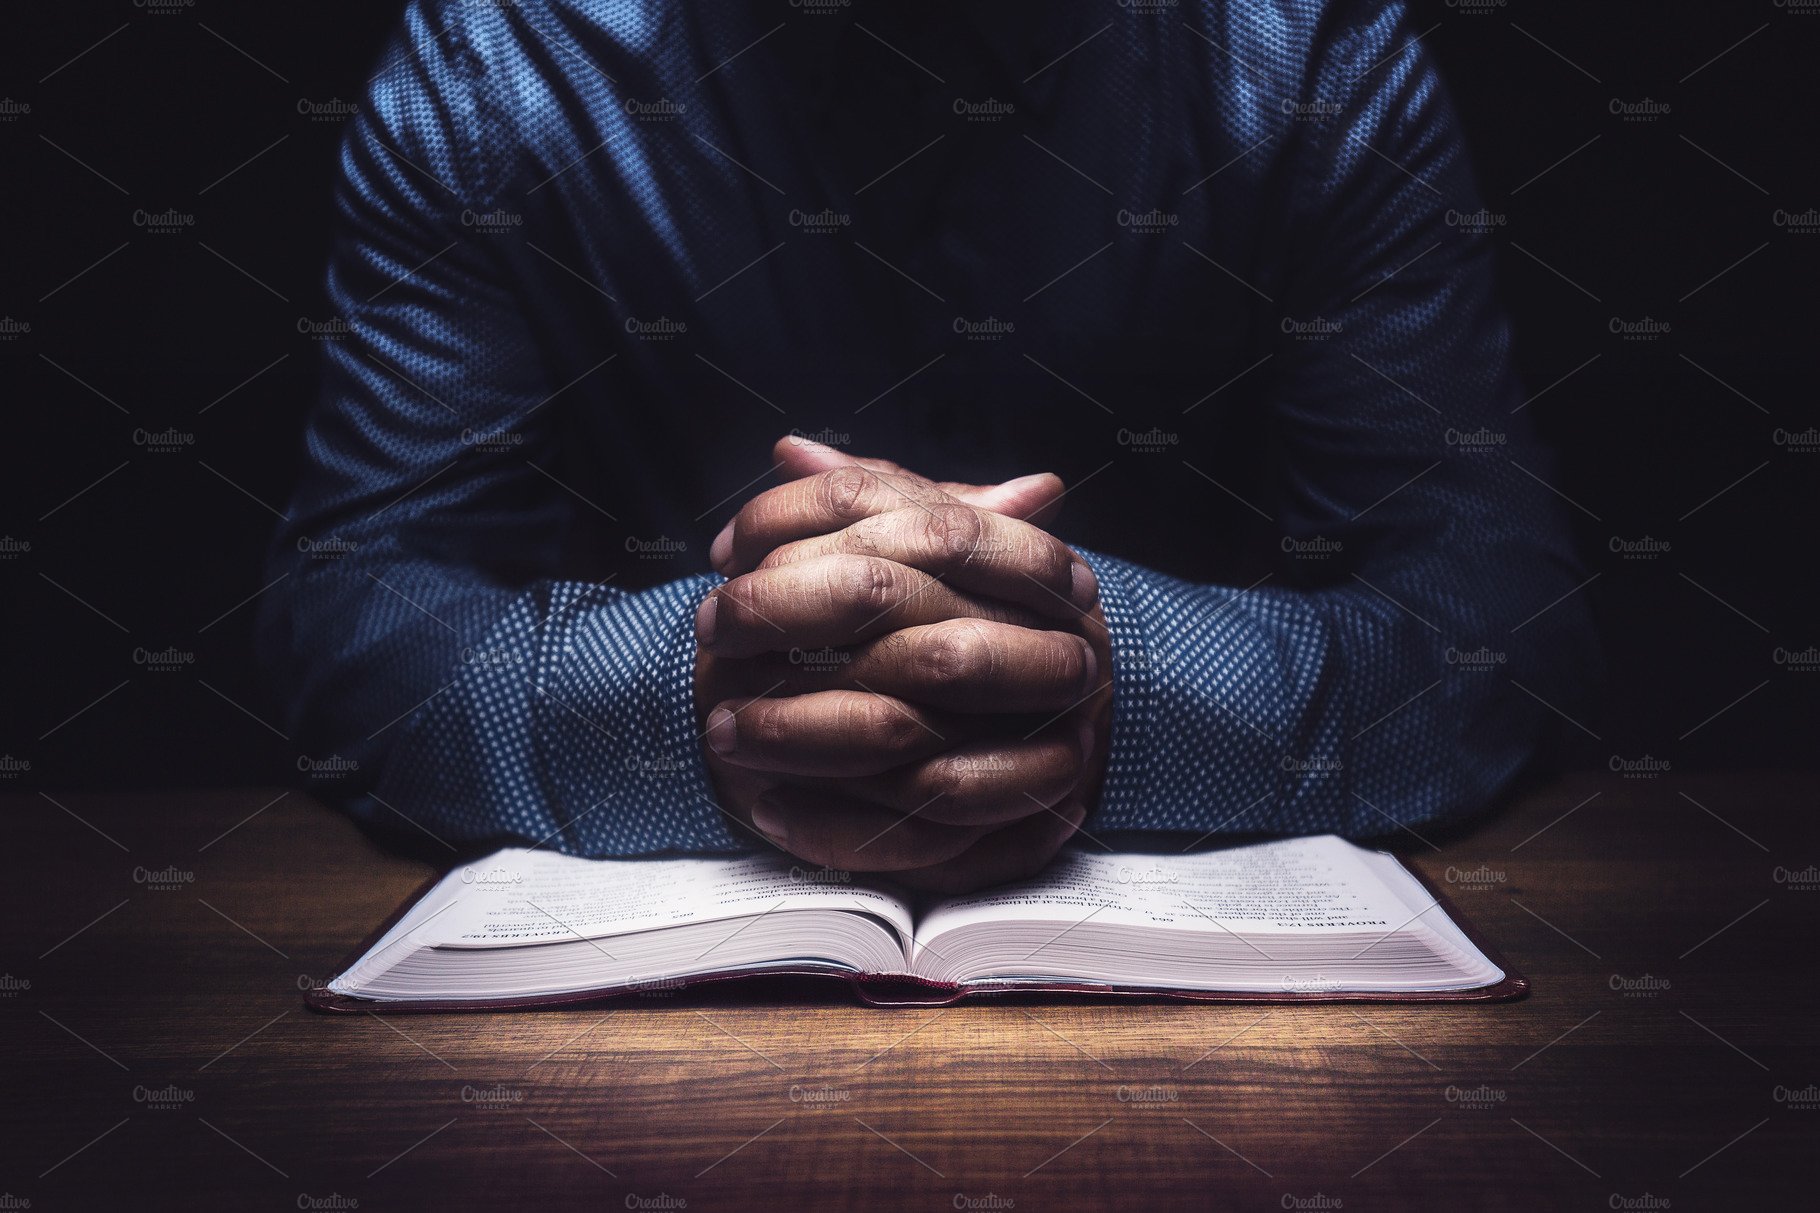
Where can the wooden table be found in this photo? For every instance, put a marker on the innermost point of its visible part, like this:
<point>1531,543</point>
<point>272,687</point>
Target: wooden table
<point>157,1053</point>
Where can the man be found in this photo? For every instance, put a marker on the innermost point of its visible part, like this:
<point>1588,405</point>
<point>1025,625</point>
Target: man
<point>595,256</point>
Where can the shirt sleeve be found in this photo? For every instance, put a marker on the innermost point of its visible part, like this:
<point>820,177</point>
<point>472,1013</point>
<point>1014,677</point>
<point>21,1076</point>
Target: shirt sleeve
<point>1422,631</point>
<point>414,630</point>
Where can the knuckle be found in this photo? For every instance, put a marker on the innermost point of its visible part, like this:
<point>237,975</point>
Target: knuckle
<point>864,582</point>
<point>842,491</point>
<point>962,781</point>
<point>885,725</point>
<point>754,598</point>
<point>954,530</point>
<point>955,654</point>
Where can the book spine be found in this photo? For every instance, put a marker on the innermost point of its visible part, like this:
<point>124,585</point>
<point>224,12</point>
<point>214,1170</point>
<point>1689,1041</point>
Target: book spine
<point>905,990</point>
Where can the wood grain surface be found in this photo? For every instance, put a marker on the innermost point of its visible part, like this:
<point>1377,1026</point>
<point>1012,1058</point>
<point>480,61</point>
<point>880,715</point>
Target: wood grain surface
<point>155,1051</point>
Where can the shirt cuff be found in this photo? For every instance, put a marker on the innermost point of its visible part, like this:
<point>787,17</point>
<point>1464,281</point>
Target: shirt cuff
<point>618,700</point>
<point>1125,789</point>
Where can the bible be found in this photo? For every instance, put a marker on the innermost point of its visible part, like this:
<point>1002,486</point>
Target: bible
<point>1315,918</point>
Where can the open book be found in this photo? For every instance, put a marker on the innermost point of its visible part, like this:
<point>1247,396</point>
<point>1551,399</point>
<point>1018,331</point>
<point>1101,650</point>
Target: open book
<point>1304,918</point>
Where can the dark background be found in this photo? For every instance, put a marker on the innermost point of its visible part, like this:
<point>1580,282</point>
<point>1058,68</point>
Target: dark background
<point>128,561</point>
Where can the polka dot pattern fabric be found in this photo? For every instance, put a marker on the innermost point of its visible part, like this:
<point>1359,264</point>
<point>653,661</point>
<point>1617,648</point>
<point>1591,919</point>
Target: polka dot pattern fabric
<point>590,251</point>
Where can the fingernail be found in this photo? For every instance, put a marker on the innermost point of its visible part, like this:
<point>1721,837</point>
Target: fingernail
<point>768,821</point>
<point>1024,482</point>
<point>1087,738</point>
<point>1090,670</point>
<point>720,553</point>
<point>723,732</point>
<point>704,620</point>
<point>1086,589</point>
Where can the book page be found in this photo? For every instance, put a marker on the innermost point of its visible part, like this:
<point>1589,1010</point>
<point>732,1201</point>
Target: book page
<point>518,897</point>
<point>1297,885</point>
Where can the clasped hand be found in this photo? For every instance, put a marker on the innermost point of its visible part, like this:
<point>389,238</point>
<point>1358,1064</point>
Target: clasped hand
<point>901,675</point>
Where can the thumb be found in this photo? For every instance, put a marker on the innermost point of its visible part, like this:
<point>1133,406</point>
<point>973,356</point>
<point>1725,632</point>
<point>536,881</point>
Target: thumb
<point>1034,499</point>
<point>797,457</point>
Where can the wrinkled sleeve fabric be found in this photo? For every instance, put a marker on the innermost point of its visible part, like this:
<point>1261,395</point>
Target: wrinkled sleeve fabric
<point>415,629</point>
<point>1415,674</point>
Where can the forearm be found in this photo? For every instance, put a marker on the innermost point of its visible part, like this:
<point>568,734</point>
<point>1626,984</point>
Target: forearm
<point>561,713</point>
<point>1289,711</point>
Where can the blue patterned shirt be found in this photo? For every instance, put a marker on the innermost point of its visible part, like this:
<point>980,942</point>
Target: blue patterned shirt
<point>1222,266</point>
